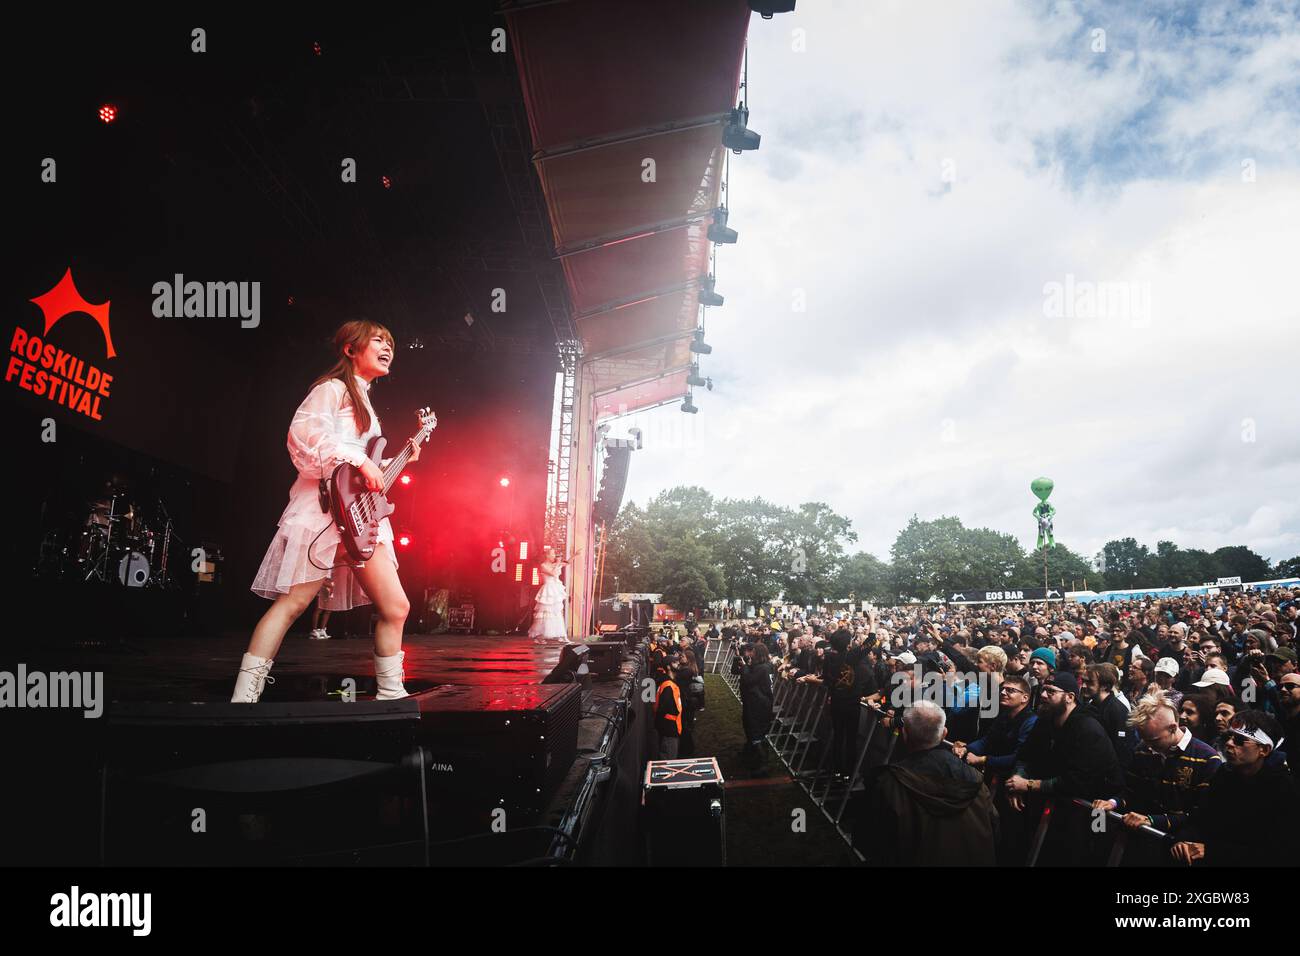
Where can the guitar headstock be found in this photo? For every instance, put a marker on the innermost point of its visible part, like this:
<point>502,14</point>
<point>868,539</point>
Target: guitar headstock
<point>428,420</point>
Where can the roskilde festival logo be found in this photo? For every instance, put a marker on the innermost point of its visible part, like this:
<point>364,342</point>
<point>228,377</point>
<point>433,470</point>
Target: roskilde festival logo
<point>45,369</point>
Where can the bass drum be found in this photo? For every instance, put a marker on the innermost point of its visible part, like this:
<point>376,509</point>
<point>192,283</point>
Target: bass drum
<point>133,571</point>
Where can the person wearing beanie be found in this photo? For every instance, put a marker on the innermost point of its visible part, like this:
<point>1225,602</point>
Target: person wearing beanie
<point>1042,664</point>
<point>1067,756</point>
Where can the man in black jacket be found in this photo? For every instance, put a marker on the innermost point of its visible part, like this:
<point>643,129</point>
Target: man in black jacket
<point>1104,701</point>
<point>1066,757</point>
<point>926,808</point>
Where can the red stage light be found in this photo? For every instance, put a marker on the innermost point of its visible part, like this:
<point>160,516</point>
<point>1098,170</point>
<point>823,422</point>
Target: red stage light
<point>108,112</point>
<point>404,540</point>
<point>316,48</point>
<point>519,572</point>
<point>405,479</point>
<point>536,580</point>
<point>505,481</point>
<point>388,183</point>
<point>523,550</point>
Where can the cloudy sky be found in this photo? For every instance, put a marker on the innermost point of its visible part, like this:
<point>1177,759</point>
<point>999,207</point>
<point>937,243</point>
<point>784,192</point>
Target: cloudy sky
<point>983,242</point>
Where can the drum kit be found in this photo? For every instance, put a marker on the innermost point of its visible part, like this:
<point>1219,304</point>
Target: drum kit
<point>118,542</point>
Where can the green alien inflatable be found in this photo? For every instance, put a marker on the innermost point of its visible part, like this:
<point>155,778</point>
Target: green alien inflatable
<point>1043,512</point>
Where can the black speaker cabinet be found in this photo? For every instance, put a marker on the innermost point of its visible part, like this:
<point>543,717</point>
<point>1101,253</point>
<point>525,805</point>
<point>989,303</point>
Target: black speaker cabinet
<point>685,818</point>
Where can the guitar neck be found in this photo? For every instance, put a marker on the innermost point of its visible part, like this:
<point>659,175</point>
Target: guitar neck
<point>399,461</point>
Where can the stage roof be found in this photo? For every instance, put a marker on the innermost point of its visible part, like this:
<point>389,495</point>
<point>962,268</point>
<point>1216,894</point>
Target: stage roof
<point>607,86</point>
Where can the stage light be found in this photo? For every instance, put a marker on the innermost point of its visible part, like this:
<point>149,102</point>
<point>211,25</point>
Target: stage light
<point>698,346</point>
<point>291,300</point>
<point>519,573</point>
<point>736,135</point>
<point>523,550</point>
<point>694,378</point>
<point>404,540</point>
<point>688,406</point>
<point>108,112</point>
<point>536,579</point>
<point>388,183</point>
<point>415,343</point>
<point>707,295</point>
<point>505,481</point>
<point>315,48</point>
<point>718,232</point>
<point>405,479</point>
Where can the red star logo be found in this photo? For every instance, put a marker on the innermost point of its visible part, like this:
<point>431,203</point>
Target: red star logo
<point>64,299</point>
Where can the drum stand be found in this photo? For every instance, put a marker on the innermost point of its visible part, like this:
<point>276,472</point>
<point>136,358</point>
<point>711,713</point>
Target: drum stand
<point>100,568</point>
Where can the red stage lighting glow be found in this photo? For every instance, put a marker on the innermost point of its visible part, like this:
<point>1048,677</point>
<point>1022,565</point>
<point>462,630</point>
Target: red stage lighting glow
<point>404,540</point>
<point>108,112</point>
<point>505,482</point>
<point>316,48</point>
<point>405,479</point>
<point>388,183</point>
<point>523,550</point>
<point>519,573</point>
<point>536,580</point>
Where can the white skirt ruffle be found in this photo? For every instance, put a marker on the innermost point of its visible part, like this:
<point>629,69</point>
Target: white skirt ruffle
<point>286,562</point>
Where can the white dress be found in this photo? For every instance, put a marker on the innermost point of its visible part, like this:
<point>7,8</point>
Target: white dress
<point>548,609</point>
<point>322,435</point>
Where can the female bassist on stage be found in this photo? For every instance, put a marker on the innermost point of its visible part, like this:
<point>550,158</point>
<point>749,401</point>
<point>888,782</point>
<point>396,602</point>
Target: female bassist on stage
<point>333,425</point>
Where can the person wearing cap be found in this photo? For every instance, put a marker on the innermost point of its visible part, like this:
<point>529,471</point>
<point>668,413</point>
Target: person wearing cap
<point>1247,816</point>
<point>1068,753</point>
<point>1169,773</point>
<point>1166,671</point>
<point>1067,756</point>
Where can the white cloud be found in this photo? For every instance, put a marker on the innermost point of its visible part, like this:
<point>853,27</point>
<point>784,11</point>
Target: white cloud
<point>924,376</point>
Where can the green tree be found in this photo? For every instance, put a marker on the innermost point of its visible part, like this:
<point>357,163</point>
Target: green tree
<point>866,577</point>
<point>1240,560</point>
<point>1122,562</point>
<point>812,540</point>
<point>1289,568</point>
<point>927,558</point>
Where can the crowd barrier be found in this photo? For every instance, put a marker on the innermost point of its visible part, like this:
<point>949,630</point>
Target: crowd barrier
<point>801,738</point>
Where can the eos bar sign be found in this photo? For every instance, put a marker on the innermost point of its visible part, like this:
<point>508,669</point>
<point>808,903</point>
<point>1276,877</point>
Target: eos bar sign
<point>1005,597</point>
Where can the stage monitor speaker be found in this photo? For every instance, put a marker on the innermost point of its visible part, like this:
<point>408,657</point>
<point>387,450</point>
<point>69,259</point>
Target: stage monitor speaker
<point>188,784</point>
<point>605,657</point>
<point>685,822</point>
<point>504,746</point>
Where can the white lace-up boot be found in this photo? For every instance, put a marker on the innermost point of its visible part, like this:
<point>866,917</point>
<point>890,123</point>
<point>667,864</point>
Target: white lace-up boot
<point>389,677</point>
<point>254,674</point>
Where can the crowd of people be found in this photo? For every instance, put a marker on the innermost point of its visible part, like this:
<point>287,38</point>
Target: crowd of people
<point>1164,719</point>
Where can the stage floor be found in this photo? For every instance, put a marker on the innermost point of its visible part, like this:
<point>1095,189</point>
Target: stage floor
<point>203,669</point>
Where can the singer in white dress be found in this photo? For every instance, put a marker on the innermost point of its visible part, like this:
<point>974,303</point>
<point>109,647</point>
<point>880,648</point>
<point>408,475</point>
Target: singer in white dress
<point>548,606</point>
<point>333,425</point>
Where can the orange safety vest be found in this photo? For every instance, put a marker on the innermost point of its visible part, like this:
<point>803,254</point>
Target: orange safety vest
<point>677,699</point>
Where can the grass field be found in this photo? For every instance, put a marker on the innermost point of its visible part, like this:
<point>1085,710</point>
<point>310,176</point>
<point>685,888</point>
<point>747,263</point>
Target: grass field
<point>760,803</point>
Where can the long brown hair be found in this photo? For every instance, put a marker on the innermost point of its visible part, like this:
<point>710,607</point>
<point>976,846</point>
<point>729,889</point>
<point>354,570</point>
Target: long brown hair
<point>356,335</point>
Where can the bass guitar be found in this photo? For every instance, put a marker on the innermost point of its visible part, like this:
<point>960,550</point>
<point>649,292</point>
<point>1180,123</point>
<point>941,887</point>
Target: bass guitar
<point>356,511</point>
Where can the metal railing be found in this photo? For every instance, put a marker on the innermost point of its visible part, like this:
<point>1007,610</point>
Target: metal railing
<point>800,730</point>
